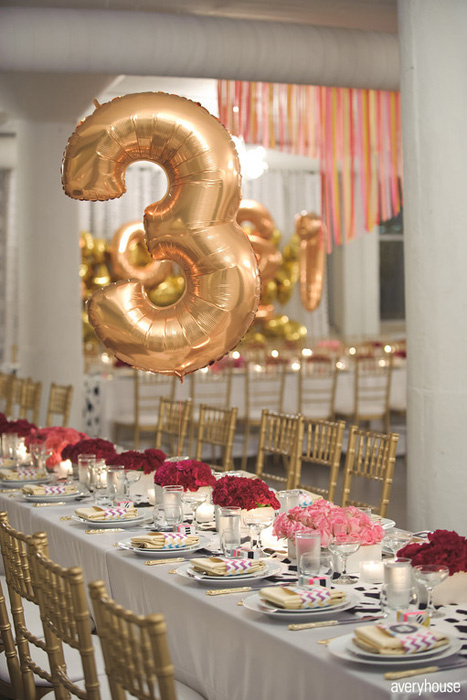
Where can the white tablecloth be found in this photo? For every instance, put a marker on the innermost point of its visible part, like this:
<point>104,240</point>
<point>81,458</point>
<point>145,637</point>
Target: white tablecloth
<point>222,650</point>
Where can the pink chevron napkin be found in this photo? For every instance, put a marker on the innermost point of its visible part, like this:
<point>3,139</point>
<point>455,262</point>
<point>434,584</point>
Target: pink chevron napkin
<point>292,598</point>
<point>400,638</point>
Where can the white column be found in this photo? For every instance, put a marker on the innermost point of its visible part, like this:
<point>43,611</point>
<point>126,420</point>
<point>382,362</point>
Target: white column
<point>50,340</point>
<point>433,37</point>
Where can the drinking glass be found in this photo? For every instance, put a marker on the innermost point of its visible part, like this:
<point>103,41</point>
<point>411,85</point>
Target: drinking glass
<point>257,521</point>
<point>397,591</point>
<point>396,539</point>
<point>308,543</point>
<point>116,483</point>
<point>85,461</point>
<point>308,566</point>
<point>430,575</point>
<point>343,545</point>
<point>288,499</point>
<point>131,477</point>
<point>99,480</point>
<point>193,499</point>
<point>229,529</point>
<point>172,504</point>
<point>9,442</point>
<point>40,454</point>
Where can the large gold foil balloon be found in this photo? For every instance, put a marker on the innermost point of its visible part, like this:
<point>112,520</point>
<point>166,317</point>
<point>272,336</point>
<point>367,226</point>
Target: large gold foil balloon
<point>124,259</point>
<point>193,226</point>
<point>311,231</point>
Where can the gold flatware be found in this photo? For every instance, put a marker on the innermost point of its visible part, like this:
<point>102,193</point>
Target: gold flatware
<point>326,641</point>
<point>44,505</point>
<point>104,531</point>
<point>10,490</point>
<point>65,518</point>
<point>156,562</point>
<point>226,591</point>
<point>331,623</point>
<point>395,675</point>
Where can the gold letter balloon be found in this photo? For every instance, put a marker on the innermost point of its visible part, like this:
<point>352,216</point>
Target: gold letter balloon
<point>311,231</point>
<point>193,226</point>
<point>125,243</point>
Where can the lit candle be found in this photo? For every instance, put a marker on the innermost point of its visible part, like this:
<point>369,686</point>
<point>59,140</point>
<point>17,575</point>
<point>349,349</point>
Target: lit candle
<point>152,496</point>
<point>65,469</point>
<point>205,513</point>
<point>372,571</point>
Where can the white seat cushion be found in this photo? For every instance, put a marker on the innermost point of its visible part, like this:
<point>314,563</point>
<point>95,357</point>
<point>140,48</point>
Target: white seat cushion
<point>183,691</point>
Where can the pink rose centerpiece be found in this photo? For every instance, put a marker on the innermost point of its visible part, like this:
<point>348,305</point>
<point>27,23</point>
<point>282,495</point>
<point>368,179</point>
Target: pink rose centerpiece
<point>55,439</point>
<point>329,519</point>
<point>148,461</point>
<point>188,472</point>
<point>448,548</point>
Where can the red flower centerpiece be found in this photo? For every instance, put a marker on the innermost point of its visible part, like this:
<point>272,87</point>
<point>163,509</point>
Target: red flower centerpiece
<point>243,492</point>
<point>103,449</point>
<point>449,549</point>
<point>148,461</point>
<point>55,439</point>
<point>20,427</point>
<point>188,472</point>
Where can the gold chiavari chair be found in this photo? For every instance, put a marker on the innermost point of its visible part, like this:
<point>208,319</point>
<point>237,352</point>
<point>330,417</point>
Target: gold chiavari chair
<point>280,439</point>
<point>67,621</point>
<point>136,653</point>
<point>173,425</point>
<point>59,404</point>
<point>370,457</point>
<point>321,447</point>
<point>264,387</point>
<point>10,676</point>
<point>13,401</point>
<point>5,381</point>
<point>317,382</point>
<point>372,387</point>
<point>216,428</point>
<point>30,401</point>
<point>148,388</point>
<point>32,641</point>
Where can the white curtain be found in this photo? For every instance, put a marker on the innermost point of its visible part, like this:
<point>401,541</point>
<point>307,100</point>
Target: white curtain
<point>284,193</point>
<point>8,272</point>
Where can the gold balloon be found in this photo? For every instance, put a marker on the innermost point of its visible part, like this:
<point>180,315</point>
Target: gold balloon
<point>255,213</point>
<point>100,250</point>
<point>193,226</point>
<point>311,231</point>
<point>101,276</point>
<point>168,291</point>
<point>86,243</point>
<point>127,250</point>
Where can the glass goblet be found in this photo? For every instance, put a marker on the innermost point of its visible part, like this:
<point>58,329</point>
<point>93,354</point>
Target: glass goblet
<point>131,477</point>
<point>430,575</point>
<point>192,500</point>
<point>343,545</point>
<point>257,522</point>
<point>396,539</point>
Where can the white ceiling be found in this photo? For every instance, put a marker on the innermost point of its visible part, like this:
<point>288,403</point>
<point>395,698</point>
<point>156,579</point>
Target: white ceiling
<point>370,15</point>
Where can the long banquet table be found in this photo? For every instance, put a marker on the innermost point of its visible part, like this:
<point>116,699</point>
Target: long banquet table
<point>219,648</point>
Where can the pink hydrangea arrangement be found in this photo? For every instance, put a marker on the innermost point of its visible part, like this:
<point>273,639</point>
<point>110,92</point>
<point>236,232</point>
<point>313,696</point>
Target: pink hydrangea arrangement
<point>188,472</point>
<point>55,439</point>
<point>329,520</point>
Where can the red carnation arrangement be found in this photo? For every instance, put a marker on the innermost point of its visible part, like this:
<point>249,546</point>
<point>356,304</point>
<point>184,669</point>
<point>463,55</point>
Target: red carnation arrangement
<point>103,449</point>
<point>188,472</point>
<point>444,547</point>
<point>148,461</point>
<point>21,427</point>
<point>244,492</point>
<point>55,439</point>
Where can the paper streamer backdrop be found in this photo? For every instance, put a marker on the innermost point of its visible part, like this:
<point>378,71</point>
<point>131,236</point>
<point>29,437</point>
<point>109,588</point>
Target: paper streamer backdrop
<point>193,226</point>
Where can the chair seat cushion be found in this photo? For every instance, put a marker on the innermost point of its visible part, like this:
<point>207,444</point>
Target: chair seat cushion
<point>183,692</point>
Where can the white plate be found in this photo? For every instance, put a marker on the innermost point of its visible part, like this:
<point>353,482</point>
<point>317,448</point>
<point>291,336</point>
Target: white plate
<point>115,522</point>
<point>163,553</point>
<point>355,649</point>
<point>340,647</point>
<point>385,523</point>
<point>52,497</point>
<point>257,604</point>
<point>186,571</point>
<point>8,483</point>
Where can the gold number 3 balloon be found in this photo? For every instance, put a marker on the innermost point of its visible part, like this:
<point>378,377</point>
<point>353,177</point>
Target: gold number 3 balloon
<point>193,226</point>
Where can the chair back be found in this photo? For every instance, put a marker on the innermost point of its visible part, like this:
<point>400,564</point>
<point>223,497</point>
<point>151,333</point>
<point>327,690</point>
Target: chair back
<point>212,388</point>
<point>172,425</point>
<point>9,649</point>
<point>370,457</point>
<point>30,401</point>
<point>321,447</point>
<point>149,388</point>
<point>14,546</point>
<point>13,401</point>
<point>372,387</point>
<point>317,381</point>
<point>59,404</point>
<point>5,382</point>
<point>280,439</point>
<point>216,428</point>
<point>135,649</point>
<point>65,614</point>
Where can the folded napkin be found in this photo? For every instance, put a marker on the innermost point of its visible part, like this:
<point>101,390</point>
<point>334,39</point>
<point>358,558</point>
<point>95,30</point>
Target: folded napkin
<point>49,490</point>
<point>297,598</point>
<point>213,566</point>
<point>8,462</point>
<point>20,474</point>
<point>398,638</point>
<point>164,540</point>
<point>117,513</point>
